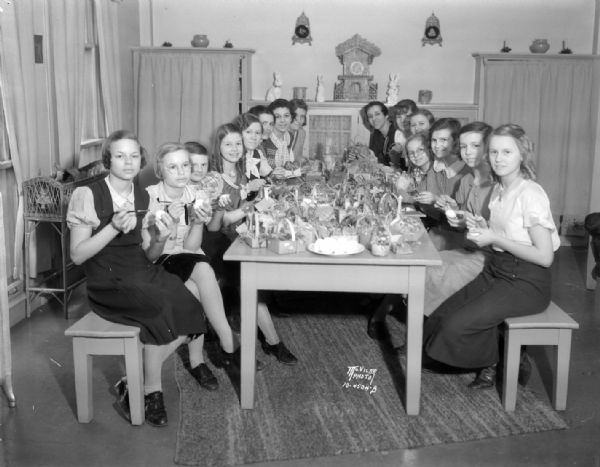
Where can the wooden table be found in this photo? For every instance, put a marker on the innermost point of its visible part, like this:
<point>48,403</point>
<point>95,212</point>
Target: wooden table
<point>262,269</point>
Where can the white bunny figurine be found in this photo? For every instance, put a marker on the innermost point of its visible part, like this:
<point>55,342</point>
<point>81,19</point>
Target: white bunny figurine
<point>320,96</point>
<point>274,92</point>
<point>393,91</point>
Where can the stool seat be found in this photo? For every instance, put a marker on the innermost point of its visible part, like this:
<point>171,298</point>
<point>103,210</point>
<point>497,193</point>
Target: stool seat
<point>551,327</point>
<point>92,325</point>
<point>552,318</point>
<point>93,335</point>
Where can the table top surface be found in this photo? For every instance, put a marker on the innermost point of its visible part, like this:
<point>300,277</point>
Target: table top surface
<point>423,253</point>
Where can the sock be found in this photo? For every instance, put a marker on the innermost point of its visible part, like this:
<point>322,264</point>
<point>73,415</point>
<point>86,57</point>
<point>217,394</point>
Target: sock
<point>151,389</point>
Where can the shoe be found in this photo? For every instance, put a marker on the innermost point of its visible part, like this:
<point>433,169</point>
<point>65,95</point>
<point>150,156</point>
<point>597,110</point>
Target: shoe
<point>234,360</point>
<point>377,330</point>
<point>281,352</point>
<point>486,378</point>
<point>524,369</point>
<point>154,408</point>
<point>205,377</point>
<point>122,403</point>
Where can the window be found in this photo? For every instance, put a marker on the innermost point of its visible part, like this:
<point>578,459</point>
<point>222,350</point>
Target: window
<point>93,125</point>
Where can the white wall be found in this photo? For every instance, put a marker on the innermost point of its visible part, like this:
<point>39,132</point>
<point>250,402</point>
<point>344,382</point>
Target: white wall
<point>395,26</point>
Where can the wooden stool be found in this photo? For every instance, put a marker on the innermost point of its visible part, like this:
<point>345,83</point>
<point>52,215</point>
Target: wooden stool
<point>551,327</point>
<point>93,335</point>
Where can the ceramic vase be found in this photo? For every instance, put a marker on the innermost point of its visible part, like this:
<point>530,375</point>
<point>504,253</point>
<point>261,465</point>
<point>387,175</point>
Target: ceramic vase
<point>425,96</point>
<point>200,40</point>
<point>539,46</point>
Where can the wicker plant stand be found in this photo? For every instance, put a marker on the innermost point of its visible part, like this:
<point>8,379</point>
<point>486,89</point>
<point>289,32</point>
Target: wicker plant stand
<point>47,200</point>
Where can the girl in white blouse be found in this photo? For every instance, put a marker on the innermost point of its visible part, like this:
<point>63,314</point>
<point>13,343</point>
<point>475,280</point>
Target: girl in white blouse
<point>464,331</point>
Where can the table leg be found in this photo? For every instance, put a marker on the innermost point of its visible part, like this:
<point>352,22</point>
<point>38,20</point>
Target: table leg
<point>414,338</point>
<point>249,302</point>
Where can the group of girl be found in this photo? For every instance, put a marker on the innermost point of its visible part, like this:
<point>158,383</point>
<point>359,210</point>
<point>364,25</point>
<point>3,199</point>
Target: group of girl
<point>494,228</point>
<point>153,257</point>
<point>390,127</point>
<point>150,255</point>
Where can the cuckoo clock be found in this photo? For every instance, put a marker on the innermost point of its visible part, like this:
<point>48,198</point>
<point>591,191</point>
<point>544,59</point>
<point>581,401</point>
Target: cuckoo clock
<point>355,84</point>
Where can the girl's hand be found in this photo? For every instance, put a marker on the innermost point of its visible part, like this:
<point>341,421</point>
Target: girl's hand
<point>458,220</point>
<point>475,221</point>
<point>202,213</point>
<point>225,201</point>
<point>247,207</point>
<point>124,221</point>
<point>397,147</point>
<point>163,225</point>
<point>176,210</point>
<point>481,236</point>
<point>444,202</point>
<point>255,184</point>
<point>425,197</point>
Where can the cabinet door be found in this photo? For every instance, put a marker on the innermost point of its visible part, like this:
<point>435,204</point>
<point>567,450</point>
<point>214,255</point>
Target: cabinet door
<point>331,130</point>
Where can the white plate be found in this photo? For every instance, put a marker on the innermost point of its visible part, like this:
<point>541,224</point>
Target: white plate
<point>358,248</point>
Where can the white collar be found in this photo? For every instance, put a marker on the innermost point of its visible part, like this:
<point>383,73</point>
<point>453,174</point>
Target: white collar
<point>118,199</point>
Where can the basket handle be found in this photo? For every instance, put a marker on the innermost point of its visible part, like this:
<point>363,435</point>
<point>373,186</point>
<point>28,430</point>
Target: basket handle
<point>281,224</point>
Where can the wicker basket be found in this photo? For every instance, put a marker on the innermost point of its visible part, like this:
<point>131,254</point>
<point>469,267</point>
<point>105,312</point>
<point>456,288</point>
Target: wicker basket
<point>48,200</point>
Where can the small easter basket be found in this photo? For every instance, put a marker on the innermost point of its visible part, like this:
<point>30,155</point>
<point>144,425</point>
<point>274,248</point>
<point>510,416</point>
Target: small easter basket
<point>253,231</point>
<point>283,241</point>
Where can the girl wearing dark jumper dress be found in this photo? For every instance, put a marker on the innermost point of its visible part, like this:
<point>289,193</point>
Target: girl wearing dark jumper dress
<point>123,285</point>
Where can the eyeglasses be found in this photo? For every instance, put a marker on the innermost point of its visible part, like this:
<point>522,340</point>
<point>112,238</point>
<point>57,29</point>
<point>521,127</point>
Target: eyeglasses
<point>174,169</point>
<point>417,152</point>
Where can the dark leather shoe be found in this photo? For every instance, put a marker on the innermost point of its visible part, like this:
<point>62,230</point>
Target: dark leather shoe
<point>205,377</point>
<point>486,378</point>
<point>377,330</point>
<point>281,352</point>
<point>154,407</point>
<point>122,403</point>
<point>524,369</point>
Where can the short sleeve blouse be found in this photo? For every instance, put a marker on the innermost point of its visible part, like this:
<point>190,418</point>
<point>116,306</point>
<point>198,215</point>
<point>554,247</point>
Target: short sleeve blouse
<point>513,211</point>
<point>158,201</point>
<point>82,212</point>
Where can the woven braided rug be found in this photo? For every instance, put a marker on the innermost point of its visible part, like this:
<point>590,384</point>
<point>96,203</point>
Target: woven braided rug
<point>317,409</point>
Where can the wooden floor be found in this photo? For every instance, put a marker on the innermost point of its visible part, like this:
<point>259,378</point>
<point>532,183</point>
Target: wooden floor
<point>43,431</point>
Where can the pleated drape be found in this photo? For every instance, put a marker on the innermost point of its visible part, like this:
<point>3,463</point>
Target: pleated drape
<point>552,101</point>
<point>183,96</point>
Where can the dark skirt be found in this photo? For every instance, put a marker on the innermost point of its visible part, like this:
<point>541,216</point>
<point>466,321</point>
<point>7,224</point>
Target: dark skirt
<point>464,330</point>
<point>181,264</point>
<point>124,287</point>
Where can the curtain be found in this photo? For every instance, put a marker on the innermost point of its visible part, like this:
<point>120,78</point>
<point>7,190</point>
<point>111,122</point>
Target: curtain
<point>329,134</point>
<point>552,100</point>
<point>18,100</point>
<point>110,76</point>
<point>67,43</point>
<point>183,95</point>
